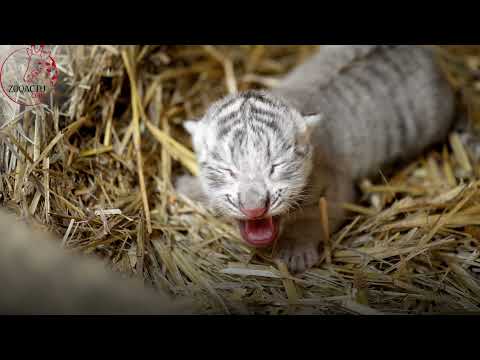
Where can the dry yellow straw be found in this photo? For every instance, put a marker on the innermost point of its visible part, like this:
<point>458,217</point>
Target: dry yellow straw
<point>136,140</point>
<point>325,229</point>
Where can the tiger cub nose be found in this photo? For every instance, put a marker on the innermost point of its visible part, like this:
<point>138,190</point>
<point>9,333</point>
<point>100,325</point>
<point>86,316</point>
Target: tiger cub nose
<point>254,213</point>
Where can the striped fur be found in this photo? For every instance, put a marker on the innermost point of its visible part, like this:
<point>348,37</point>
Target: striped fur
<point>387,105</point>
<point>344,114</point>
<point>252,144</point>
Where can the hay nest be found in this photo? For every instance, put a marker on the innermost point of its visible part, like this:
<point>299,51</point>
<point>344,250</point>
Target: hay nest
<point>98,172</point>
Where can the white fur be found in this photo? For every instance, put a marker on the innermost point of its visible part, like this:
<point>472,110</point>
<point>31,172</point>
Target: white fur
<point>253,169</point>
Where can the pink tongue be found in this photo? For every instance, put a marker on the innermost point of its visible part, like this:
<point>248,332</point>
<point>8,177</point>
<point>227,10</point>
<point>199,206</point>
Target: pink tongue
<point>259,230</point>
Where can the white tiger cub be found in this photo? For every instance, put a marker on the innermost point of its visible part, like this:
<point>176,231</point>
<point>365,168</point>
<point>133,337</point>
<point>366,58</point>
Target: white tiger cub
<point>266,157</point>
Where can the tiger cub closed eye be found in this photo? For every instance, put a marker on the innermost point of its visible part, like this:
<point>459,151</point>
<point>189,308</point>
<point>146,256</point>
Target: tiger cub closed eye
<point>265,163</point>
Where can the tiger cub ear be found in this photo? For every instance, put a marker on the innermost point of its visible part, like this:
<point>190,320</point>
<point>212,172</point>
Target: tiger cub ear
<point>312,121</point>
<point>195,128</point>
<point>191,126</point>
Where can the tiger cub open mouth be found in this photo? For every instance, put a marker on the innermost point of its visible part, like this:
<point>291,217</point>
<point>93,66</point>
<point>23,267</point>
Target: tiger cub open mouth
<point>260,232</point>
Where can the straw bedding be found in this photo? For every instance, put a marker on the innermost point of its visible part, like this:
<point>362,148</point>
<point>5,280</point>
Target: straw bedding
<point>98,172</point>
